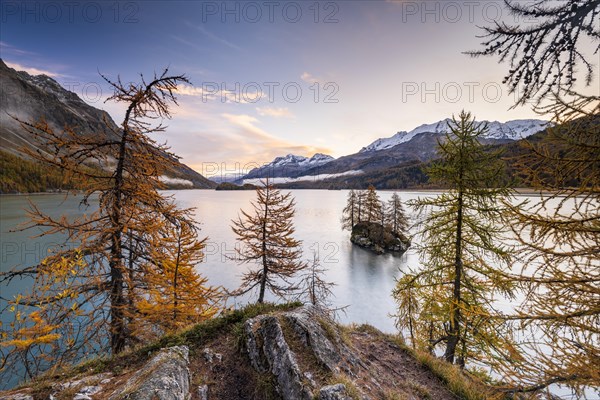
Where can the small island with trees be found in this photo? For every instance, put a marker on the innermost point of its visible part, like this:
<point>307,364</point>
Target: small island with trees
<point>375,225</point>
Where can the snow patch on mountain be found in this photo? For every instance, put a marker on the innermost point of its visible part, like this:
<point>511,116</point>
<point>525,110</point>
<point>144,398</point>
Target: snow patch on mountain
<point>510,130</point>
<point>317,159</point>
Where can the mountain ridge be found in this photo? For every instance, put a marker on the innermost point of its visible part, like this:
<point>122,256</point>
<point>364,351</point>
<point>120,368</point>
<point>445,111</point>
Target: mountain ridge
<point>509,130</point>
<point>32,97</point>
<point>401,149</point>
<point>288,166</point>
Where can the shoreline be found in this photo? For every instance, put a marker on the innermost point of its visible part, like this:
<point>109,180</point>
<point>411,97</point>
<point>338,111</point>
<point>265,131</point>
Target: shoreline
<point>519,191</point>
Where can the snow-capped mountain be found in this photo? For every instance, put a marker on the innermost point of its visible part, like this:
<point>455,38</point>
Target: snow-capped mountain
<point>291,159</point>
<point>510,130</point>
<point>290,165</point>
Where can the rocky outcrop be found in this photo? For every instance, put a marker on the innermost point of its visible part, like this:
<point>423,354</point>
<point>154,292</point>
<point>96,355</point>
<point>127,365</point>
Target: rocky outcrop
<point>165,377</point>
<point>334,392</point>
<point>281,353</point>
<point>270,352</point>
<point>379,239</point>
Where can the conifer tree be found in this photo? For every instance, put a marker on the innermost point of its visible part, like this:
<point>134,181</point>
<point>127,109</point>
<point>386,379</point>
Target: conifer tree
<point>395,215</point>
<point>89,292</point>
<point>266,237</point>
<point>177,296</point>
<point>560,233</point>
<point>383,218</point>
<point>314,289</point>
<point>350,216</point>
<point>372,206</point>
<point>451,295</point>
<point>360,196</point>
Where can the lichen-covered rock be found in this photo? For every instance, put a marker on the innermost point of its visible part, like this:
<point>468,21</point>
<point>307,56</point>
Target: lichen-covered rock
<point>165,377</point>
<point>334,392</point>
<point>270,353</point>
<point>203,392</point>
<point>379,239</point>
<point>87,392</point>
<point>305,322</point>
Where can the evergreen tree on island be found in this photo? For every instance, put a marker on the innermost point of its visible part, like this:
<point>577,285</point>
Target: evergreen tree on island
<point>396,218</point>
<point>351,213</point>
<point>372,206</point>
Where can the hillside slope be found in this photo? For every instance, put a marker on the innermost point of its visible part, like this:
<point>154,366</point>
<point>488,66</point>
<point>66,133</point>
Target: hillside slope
<point>31,98</point>
<point>263,352</point>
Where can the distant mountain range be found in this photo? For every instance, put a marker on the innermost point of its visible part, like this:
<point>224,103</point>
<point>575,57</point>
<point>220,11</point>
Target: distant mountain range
<point>31,98</point>
<point>510,130</point>
<point>289,166</point>
<point>393,162</point>
<point>402,150</point>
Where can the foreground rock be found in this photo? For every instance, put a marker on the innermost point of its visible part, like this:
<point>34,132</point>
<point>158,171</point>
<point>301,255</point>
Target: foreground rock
<point>165,377</point>
<point>269,351</point>
<point>277,353</point>
<point>334,392</point>
<point>379,239</point>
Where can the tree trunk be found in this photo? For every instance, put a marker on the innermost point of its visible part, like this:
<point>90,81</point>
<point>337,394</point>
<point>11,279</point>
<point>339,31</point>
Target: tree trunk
<point>455,315</point>
<point>177,261</point>
<point>263,278</point>
<point>117,299</point>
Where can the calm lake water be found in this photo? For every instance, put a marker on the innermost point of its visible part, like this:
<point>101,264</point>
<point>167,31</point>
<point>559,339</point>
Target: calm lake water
<point>364,281</point>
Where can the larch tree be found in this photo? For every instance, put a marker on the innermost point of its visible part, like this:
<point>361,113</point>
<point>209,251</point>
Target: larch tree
<point>350,216</point>
<point>266,238</point>
<point>315,290</point>
<point>371,206</point>
<point>360,196</point>
<point>560,233</point>
<point>177,295</point>
<point>396,215</point>
<point>88,288</point>
<point>451,294</point>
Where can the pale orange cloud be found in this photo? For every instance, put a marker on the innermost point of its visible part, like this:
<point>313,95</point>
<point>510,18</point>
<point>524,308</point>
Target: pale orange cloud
<point>277,112</point>
<point>32,70</point>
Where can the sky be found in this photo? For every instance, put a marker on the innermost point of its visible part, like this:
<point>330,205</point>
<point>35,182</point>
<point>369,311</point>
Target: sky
<point>272,77</point>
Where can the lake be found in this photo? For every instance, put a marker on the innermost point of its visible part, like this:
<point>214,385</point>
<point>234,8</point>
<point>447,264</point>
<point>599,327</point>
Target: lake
<point>364,280</point>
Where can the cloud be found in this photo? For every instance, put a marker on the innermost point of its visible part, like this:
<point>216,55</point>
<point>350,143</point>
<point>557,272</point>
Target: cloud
<point>307,77</point>
<point>253,144</point>
<point>277,112</point>
<point>211,91</point>
<point>8,49</point>
<point>213,36</point>
<point>175,181</point>
<point>188,43</point>
<point>33,70</point>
